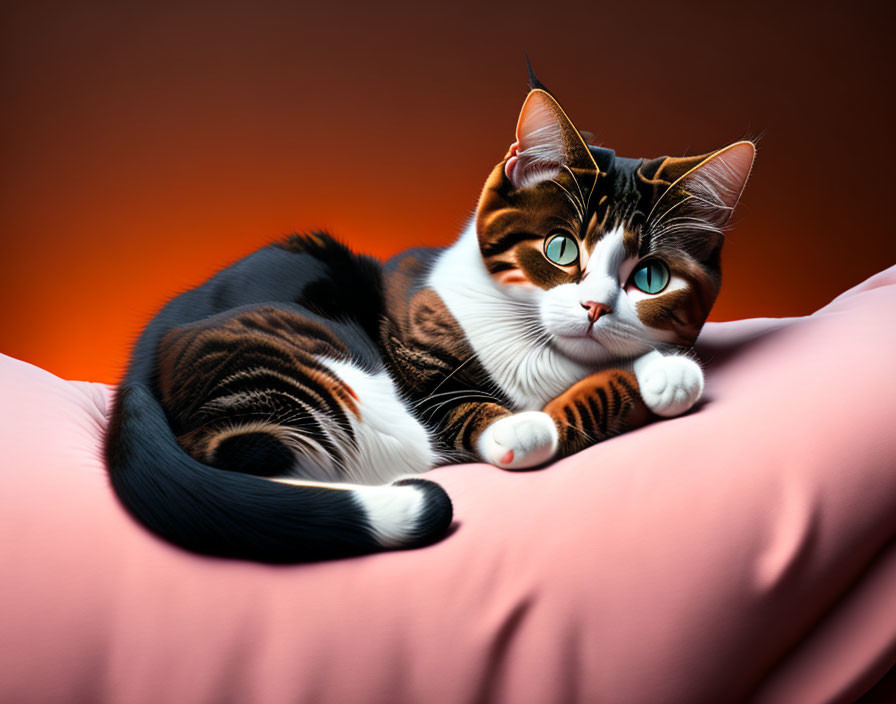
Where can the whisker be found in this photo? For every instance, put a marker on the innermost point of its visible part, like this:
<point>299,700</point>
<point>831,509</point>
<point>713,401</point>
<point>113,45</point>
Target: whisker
<point>456,369</point>
<point>578,187</point>
<point>478,396</point>
<point>571,199</point>
<point>458,392</point>
<point>668,210</point>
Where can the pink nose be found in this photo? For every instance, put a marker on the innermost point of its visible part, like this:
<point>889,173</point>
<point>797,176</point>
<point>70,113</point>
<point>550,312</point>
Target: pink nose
<point>595,310</point>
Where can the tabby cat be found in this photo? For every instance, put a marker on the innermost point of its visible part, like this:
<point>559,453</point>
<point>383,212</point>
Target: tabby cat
<point>276,411</point>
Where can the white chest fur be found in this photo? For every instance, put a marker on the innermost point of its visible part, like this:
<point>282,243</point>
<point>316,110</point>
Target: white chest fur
<point>504,331</point>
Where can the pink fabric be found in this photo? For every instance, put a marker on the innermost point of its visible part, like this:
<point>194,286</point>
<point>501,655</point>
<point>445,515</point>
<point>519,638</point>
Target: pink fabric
<point>743,552</point>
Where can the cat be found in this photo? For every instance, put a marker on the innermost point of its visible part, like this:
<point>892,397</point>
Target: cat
<point>279,411</point>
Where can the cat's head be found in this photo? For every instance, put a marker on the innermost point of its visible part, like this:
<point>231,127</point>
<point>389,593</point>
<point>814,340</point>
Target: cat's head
<point>617,255</point>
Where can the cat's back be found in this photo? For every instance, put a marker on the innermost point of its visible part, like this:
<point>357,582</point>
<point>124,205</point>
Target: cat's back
<point>313,271</point>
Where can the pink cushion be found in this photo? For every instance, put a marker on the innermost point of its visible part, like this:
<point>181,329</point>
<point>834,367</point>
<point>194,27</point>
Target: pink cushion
<point>744,549</point>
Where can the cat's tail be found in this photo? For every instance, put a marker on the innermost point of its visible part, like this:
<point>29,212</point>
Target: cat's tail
<point>218,512</point>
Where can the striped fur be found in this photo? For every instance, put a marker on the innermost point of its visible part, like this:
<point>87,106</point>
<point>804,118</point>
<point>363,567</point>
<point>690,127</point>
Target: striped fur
<point>597,408</point>
<point>258,371</point>
<point>279,411</point>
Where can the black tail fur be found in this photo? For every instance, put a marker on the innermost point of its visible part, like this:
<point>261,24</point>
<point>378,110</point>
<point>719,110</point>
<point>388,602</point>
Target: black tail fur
<point>231,514</point>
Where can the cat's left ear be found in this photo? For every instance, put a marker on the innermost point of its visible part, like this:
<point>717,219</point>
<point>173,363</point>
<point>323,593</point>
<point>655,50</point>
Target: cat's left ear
<point>546,141</point>
<point>707,186</point>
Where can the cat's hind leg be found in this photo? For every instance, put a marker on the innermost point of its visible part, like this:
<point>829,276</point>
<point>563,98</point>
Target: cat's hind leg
<point>273,393</point>
<point>389,441</point>
<point>374,439</point>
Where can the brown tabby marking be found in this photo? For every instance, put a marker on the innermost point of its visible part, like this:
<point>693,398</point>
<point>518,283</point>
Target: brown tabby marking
<point>513,225</point>
<point>596,408</point>
<point>428,355</point>
<point>682,311</point>
<point>255,370</point>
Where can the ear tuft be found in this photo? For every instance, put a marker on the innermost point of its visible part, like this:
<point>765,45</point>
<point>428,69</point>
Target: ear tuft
<point>534,83</point>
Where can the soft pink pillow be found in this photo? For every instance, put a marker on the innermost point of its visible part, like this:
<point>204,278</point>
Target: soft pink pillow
<point>745,550</point>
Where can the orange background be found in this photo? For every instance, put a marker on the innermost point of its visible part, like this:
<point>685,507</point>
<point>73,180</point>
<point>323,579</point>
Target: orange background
<point>146,146</point>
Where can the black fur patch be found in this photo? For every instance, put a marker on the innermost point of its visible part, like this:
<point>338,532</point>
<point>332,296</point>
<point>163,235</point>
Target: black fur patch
<point>257,453</point>
<point>437,511</point>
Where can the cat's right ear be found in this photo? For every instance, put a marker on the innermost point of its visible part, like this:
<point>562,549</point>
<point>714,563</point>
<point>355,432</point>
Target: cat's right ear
<point>546,141</point>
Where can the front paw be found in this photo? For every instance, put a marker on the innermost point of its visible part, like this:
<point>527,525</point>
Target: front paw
<point>670,385</point>
<point>519,441</point>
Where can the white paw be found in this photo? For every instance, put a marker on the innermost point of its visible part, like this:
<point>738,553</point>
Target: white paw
<point>519,441</point>
<point>670,385</point>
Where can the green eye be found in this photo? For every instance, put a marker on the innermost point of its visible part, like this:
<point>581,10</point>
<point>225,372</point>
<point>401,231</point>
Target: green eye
<point>561,249</point>
<point>652,276</point>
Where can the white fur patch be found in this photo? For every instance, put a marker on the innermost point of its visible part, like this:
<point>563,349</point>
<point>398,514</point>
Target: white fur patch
<point>390,441</point>
<point>392,511</point>
<point>606,260</point>
<point>616,336</point>
<point>503,327</point>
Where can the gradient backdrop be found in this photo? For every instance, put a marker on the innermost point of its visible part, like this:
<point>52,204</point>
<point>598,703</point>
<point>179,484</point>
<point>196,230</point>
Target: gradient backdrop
<point>145,145</point>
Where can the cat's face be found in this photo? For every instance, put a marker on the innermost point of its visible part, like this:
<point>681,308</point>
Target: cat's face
<point>618,260</point>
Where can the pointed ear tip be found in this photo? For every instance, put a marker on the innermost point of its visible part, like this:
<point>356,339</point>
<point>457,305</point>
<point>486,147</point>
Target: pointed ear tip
<point>538,91</point>
<point>535,97</point>
<point>746,146</point>
<point>742,153</point>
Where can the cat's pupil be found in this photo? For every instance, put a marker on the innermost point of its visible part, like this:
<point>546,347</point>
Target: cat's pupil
<point>652,277</point>
<point>561,249</point>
